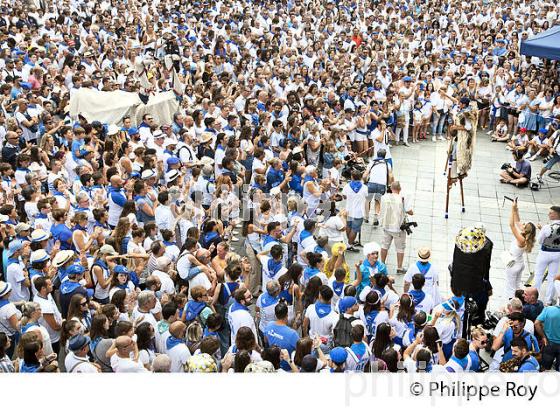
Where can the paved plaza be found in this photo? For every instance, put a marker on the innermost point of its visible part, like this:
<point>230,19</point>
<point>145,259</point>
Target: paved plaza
<point>420,169</point>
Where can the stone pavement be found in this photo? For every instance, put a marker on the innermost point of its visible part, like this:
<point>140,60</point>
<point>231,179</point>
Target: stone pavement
<point>420,169</point>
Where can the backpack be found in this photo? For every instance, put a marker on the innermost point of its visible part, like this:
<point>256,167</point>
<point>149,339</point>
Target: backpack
<point>343,331</point>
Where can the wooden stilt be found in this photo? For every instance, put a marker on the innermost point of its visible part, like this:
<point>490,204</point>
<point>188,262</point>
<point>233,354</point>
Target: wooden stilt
<point>462,194</point>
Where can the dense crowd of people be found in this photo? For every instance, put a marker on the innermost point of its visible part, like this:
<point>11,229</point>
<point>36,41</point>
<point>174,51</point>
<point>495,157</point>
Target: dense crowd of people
<point>216,240</point>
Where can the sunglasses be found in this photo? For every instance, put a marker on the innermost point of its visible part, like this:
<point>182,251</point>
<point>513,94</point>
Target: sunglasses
<point>84,303</point>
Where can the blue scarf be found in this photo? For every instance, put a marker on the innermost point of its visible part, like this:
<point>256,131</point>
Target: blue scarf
<point>41,215</point>
<point>309,272</point>
<point>338,287</point>
<point>173,341</point>
<point>304,235</point>
<point>28,326</point>
<point>462,362</point>
<point>167,243</point>
<point>267,239</point>
<point>12,260</point>
<point>79,227</point>
<point>25,368</point>
<point>193,309</point>
<point>273,267</point>
<point>308,178</point>
<point>238,306</point>
<point>35,272</point>
<point>68,287</point>
<point>423,267</point>
<point>379,290</point>
<point>427,369</point>
<point>93,344</point>
<point>370,318</point>
<point>355,185</point>
<point>268,300</point>
<point>417,296</point>
<point>322,309</point>
<point>359,349</point>
<point>3,302</point>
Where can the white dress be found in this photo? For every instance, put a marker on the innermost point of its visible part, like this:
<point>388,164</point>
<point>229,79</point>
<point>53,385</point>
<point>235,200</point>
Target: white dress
<point>513,274</point>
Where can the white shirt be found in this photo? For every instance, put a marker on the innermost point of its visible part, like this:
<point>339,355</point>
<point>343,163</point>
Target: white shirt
<point>179,355</point>
<point>15,277</point>
<point>76,364</point>
<point>126,365</point>
<point>199,280</point>
<point>355,201</point>
<point>379,172</point>
<point>146,317</point>
<point>6,312</point>
<point>238,319</point>
<point>164,217</point>
<point>332,229</point>
<point>48,307</point>
<point>167,285</point>
<point>318,326</point>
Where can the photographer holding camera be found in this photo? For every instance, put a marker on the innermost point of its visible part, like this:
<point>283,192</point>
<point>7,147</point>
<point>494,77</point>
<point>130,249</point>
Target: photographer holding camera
<point>394,221</point>
<point>517,173</point>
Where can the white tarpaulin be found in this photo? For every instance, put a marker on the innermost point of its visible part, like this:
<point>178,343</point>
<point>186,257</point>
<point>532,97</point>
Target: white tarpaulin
<point>111,106</point>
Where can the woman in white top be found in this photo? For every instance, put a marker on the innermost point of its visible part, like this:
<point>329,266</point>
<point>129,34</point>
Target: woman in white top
<point>30,322</point>
<point>522,241</point>
<point>80,238</point>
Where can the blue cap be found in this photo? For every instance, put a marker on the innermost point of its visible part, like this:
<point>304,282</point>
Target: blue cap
<point>407,78</point>
<point>14,246</point>
<point>500,40</point>
<point>465,100</point>
<point>75,270</point>
<point>543,130</point>
<point>78,341</point>
<point>370,89</point>
<point>339,355</point>
<point>120,269</point>
<point>173,161</point>
<point>346,303</point>
<point>132,131</point>
<point>135,174</point>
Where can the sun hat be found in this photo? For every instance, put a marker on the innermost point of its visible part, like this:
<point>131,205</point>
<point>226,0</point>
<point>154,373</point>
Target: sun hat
<point>5,288</point>
<point>14,246</point>
<point>424,254</point>
<point>39,235</point>
<point>62,257</point>
<point>107,250</point>
<point>22,227</point>
<point>40,255</point>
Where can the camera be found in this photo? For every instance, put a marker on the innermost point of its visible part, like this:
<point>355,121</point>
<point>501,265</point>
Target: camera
<point>406,226</point>
<point>351,167</point>
<point>505,166</point>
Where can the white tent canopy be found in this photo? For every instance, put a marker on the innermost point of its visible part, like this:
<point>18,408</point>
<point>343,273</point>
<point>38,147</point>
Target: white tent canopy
<point>110,107</point>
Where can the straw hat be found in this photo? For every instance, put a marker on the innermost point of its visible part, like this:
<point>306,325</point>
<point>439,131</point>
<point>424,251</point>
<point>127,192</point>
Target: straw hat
<point>62,257</point>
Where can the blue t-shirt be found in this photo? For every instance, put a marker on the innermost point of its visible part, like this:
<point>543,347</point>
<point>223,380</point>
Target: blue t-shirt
<point>523,168</point>
<point>550,317</point>
<point>530,365</point>
<point>62,233</point>
<point>508,337</point>
<point>282,336</point>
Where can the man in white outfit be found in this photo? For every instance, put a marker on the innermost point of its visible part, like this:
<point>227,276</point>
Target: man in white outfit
<point>549,253</point>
